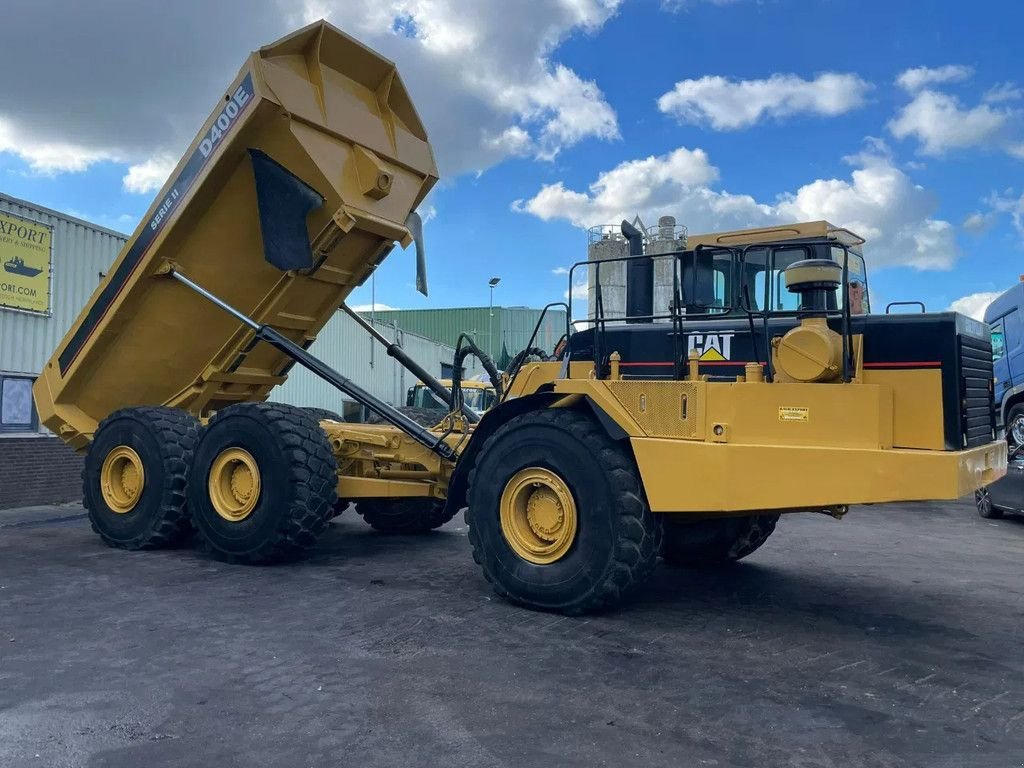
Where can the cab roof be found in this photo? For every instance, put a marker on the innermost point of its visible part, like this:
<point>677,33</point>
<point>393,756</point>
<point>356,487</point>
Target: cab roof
<point>799,231</point>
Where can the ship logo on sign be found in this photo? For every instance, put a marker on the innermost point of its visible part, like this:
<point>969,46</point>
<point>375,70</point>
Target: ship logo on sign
<point>17,266</point>
<point>710,347</point>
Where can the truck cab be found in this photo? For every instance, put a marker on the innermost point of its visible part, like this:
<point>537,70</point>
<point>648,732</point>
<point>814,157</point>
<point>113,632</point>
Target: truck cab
<point>1003,317</point>
<point>478,395</point>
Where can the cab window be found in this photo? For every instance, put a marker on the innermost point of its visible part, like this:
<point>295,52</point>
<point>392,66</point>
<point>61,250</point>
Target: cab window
<point>1011,330</point>
<point>769,284</point>
<point>998,341</point>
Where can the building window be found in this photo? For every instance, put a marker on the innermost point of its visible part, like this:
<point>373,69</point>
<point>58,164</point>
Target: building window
<point>17,411</point>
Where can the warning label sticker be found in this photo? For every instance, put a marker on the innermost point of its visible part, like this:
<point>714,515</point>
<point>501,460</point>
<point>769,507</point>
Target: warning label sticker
<point>793,413</point>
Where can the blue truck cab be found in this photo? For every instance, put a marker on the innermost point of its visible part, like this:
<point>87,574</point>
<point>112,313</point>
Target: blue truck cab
<point>1005,316</point>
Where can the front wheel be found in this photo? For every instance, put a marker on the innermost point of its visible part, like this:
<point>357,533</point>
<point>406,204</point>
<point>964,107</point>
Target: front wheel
<point>986,509</point>
<point>1015,425</point>
<point>557,515</point>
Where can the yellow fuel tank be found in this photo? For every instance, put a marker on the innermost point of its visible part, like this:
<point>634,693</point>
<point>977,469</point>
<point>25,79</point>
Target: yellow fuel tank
<point>316,113</point>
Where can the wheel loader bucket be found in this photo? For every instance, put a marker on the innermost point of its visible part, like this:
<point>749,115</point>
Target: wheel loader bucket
<point>300,182</point>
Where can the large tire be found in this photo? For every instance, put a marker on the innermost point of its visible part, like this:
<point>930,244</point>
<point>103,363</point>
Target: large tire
<point>598,541</point>
<point>716,542</point>
<point>986,509</point>
<point>135,476</point>
<point>264,480</point>
<point>1015,425</point>
<point>326,414</point>
<point>322,414</point>
<point>404,515</point>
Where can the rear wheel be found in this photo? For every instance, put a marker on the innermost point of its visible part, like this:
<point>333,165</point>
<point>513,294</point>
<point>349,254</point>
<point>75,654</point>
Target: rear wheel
<point>135,476</point>
<point>988,510</point>
<point>557,516</point>
<point>264,480</point>
<point>715,542</point>
<point>405,515</point>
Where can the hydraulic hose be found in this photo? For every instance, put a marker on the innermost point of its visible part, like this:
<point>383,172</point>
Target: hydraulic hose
<point>464,347</point>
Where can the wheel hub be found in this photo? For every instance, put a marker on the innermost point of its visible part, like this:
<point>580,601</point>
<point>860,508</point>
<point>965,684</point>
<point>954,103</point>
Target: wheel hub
<point>122,479</point>
<point>538,515</point>
<point>234,484</point>
<point>1017,431</point>
<point>544,512</point>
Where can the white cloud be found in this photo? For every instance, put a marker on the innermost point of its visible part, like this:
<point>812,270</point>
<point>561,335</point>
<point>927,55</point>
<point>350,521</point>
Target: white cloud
<point>653,184</point>
<point>1003,92</point>
<point>1011,205</point>
<point>49,157</point>
<point>879,202</point>
<point>149,175</point>
<point>378,307</point>
<point>979,223</point>
<point>913,80</point>
<point>487,89</point>
<point>675,6</point>
<point>560,271</point>
<point>579,293</point>
<point>975,304</point>
<point>731,104</point>
<point>940,123</point>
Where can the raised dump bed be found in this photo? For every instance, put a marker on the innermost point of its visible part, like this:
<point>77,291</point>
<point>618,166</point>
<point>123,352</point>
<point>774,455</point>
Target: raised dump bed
<point>299,183</point>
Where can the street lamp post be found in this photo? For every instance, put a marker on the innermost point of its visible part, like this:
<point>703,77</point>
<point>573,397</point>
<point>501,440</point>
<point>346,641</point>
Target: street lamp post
<point>490,317</point>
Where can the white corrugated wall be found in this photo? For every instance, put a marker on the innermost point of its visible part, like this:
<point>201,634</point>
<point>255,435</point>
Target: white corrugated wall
<point>81,251</point>
<point>346,347</point>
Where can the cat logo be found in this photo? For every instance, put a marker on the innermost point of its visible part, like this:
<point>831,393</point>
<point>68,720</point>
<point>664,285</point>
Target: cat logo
<point>711,347</point>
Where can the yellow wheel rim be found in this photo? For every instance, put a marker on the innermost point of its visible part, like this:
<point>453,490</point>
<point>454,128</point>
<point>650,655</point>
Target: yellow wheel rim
<point>234,484</point>
<point>122,479</point>
<point>538,515</point>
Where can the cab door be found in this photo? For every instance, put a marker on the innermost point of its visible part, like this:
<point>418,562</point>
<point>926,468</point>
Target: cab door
<point>1000,363</point>
<point>1014,336</point>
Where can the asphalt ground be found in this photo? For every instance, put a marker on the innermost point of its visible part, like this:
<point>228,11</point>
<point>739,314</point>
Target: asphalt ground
<point>892,638</point>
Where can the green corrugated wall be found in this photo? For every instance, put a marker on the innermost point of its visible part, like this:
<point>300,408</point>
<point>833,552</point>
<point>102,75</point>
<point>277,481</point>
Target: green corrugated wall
<point>510,327</point>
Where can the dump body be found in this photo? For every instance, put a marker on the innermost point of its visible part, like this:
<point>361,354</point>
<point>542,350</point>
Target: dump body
<point>329,112</point>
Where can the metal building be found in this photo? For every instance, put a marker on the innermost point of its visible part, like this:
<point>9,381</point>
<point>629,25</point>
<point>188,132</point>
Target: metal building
<point>80,254</point>
<point>347,348</point>
<point>69,260</point>
<point>501,335</point>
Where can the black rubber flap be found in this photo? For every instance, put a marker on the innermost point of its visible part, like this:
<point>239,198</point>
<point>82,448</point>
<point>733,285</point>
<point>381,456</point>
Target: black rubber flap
<point>284,201</point>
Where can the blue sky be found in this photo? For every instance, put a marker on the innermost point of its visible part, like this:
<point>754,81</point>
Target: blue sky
<point>548,116</point>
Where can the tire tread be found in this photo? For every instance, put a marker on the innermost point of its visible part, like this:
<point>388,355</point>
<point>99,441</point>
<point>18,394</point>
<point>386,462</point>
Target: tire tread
<point>638,538</point>
<point>313,474</point>
<point>178,433</point>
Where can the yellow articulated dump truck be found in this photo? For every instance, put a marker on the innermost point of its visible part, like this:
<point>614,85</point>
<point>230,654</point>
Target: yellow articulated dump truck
<point>764,386</point>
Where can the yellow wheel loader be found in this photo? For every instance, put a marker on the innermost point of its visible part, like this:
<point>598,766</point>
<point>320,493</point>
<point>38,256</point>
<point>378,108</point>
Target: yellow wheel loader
<point>764,387</point>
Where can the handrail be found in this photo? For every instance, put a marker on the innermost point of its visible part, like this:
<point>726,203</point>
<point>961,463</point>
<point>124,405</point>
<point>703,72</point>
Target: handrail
<point>892,304</point>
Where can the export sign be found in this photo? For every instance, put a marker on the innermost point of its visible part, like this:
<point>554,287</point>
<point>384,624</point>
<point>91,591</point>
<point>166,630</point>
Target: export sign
<point>25,254</point>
